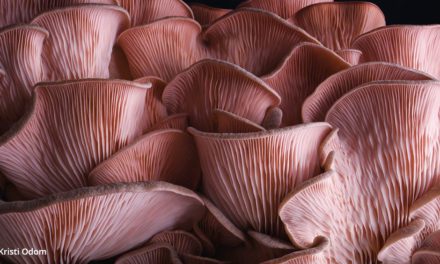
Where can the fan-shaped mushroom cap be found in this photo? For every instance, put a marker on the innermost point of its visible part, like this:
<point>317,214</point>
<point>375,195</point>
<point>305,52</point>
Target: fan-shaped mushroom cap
<point>212,84</point>
<point>20,59</point>
<point>384,156</point>
<point>226,122</point>
<point>351,56</point>
<point>96,222</point>
<point>411,46</point>
<point>284,8</point>
<point>298,76</point>
<point>205,15</point>
<point>177,121</point>
<point>418,241</point>
<point>247,175</point>
<point>80,40</point>
<point>330,90</point>
<point>72,127</point>
<point>163,48</point>
<point>152,253</point>
<point>182,241</point>
<point>145,12</point>
<point>163,155</point>
<point>155,111</point>
<point>22,11</point>
<point>337,24</point>
<point>244,37</point>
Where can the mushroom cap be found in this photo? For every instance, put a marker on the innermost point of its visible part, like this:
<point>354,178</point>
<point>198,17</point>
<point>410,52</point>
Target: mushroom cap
<point>337,24</point>
<point>80,40</point>
<point>316,106</point>
<point>165,155</point>
<point>247,175</point>
<point>212,84</point>
<point>410,46</point>
<point>71,127</point>
<point>299,74</point>
<point>23,11</point>
<point>95,223</point>
<point>145,12</point>
<point>351,56</point>
<point>183,242</point>
<point>284,9</point>
<point>20,59</point>
<point>382,159</point>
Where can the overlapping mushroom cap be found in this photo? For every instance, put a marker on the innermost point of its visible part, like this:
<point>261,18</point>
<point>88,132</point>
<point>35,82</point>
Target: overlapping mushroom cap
<point>95,222</point>
<point>243,37</point>
<point>383,157</point>
<point>411,46</point>
<point>71,127</point>
<point>247,175</point>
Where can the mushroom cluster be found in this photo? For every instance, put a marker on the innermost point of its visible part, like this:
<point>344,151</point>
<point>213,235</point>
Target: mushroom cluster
<point>283,131</point>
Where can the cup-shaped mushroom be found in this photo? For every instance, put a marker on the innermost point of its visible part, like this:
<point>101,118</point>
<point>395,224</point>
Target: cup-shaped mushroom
<point>411,46</point>
<point>164,155</point>
<point>418,242</point>
<point>205,15</point>
<point>80,40</point>
<point>145,12</point>
<point>95,223</point>
<point>299,74</point>
<point>246,38</point>
<point>383,157</point>
<point>151,253</point>
<point>226,122</point>
<point>283,8</point>
<point>247,175</point>
<point>20,58</point>
<point>71,127</point>
<point>22,11</point>
<point>162,48</point>
<point>212,84</point>
<point>316,106</point>
<point>337,24</point>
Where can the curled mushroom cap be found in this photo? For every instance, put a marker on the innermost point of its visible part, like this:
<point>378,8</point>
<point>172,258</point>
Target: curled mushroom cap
<point>212,84</point>
<point>299,74</point>
<point>284,8</point>
<point>164,155</point>
<point>95,222</point>
<point>247,175</point>
<point>411,46</point>
<point>330,90</point>
<point>337,24</point>
<point>152,49</point>
<point>226,122</point>
<point>144,12</point>
<point>22,11</point>
<point>151,253</point>
<point>20,58</point>
<point>205,15</point>
<point>183,242</point>
<point>71,127</point>
<point>418,242</point>
<point>80,40</point>
<point>243,37</point>
<point>382,159</point>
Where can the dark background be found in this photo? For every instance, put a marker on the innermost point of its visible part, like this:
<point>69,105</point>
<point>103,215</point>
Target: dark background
<point>396,11</point>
